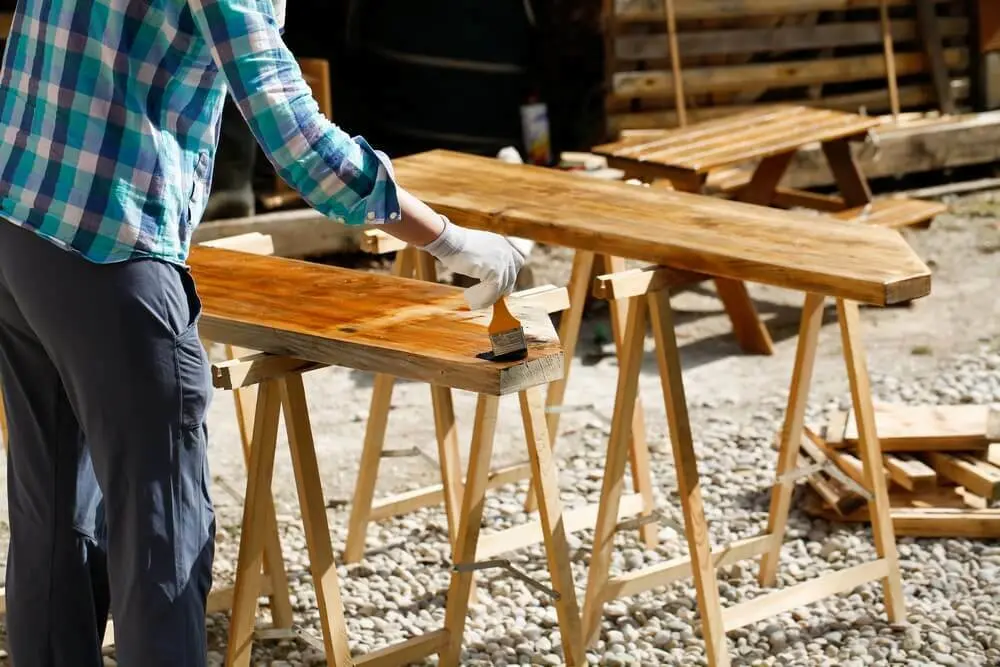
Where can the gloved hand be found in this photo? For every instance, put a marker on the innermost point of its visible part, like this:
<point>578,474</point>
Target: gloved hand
<point>484,255</point>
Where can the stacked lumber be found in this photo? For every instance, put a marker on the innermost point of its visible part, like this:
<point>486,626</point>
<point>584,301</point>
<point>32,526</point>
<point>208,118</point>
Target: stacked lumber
<point>734,54</point>
<point>942,465</point>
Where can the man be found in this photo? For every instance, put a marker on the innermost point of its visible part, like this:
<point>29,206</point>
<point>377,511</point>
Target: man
<point>109,111</point>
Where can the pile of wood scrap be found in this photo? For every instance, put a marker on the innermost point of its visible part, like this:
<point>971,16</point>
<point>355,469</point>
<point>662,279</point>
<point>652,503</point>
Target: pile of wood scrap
<point>941,464</point>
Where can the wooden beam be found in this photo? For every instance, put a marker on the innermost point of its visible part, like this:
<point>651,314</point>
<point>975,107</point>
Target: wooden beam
<point>658,83</point>
<point>908,428</point>
<point>638,282</point>
<point>297,233</point>
<point>870,101</point>
<point>782,38</point>
<point>946,143</point>
<point>256,368</point>
<point>980,477</point>
<point>910,473</point>
<point>932,36</point>
<point>639,11</point>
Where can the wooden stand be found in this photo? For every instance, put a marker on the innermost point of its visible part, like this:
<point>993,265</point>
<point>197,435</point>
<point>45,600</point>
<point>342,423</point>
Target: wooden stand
<point>365,508</point>
<point>647,294</point>
<point>280,390</point>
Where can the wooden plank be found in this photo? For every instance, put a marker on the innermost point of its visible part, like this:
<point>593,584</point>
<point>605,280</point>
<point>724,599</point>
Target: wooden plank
<point>639,282</point>
<point>256,368</point>
<point>895,213</point>
<point>677,229</point>
<point>980,477</point>
<point>378,242</point>
<point>949,142</point>
<point>932,522</point>
<point>911,96</point>
<point>870,453</point>
<point>409,328</point>
<point>652,11</point>
<point>800,595</point>
<point>294,235</point>
<point>254,242</point>
<point>780,38</point>
<point>752,135</point>
<point>910,473</point>
<point>915,428</point>
<point>788,74</point>
<point>411,651</point>
<point>932,36</point>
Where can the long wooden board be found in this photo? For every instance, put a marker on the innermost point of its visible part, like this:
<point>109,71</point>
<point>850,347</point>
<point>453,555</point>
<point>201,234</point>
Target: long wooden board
<point>652,10</point>
<point>916,95</point>
<point>683,231</point>
<point>408,328</point>
<point>922,427</point>
<point>782,38</point>
<point>790,74</point>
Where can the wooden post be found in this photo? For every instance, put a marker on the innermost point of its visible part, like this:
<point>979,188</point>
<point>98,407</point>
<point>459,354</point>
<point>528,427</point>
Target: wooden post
<point>792,433</point>
<point>253,531</point>
<point>871,457</point>
<point>312,505</point>
<point>464,548</point>
<point>688,486</point>
<point>675,62</point>
<point>890,59</point>
<point>629,364</point>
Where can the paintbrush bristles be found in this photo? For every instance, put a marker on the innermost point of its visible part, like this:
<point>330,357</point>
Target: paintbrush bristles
<point>506,334</point>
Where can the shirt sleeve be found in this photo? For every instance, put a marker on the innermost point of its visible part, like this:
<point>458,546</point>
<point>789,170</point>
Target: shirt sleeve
<point>340,176</point>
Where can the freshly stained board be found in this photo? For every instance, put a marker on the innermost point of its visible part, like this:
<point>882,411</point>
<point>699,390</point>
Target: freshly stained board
<point>683,231</point>
<point>414,329</point>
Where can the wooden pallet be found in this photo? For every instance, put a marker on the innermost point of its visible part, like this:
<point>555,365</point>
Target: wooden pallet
<point>942,464</point>
<point>734,55</point>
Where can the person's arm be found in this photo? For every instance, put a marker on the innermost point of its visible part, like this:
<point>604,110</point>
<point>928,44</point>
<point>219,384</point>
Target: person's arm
<point>340,176</point>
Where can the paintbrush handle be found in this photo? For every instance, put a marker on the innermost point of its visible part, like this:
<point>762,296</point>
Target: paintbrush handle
<point>503,319</point>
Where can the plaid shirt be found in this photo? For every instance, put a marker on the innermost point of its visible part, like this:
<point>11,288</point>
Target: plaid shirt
<point>110,115</point>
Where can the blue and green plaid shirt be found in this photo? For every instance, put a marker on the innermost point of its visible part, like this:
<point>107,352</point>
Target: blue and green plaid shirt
<point>110,115</point>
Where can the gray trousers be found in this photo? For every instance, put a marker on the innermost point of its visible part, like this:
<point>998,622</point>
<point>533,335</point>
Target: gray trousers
<point>107,387</point>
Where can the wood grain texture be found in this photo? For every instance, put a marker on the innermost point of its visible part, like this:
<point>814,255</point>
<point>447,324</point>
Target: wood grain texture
<point>924,427</point>
<point>409,328</point>
<point>680,230</point>
<point>741,137</point>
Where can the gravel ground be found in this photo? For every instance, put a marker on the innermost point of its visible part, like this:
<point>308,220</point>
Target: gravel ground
<point>942,350</point>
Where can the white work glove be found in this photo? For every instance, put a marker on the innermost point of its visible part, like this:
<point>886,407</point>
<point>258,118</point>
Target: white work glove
<point>484,255</point>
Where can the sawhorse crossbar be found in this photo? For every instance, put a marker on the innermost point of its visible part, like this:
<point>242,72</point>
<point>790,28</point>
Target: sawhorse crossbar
<point>280,389</point>
<point>646,293</point>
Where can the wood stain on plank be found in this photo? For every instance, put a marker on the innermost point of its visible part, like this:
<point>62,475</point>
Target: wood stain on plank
<point>412,329</point>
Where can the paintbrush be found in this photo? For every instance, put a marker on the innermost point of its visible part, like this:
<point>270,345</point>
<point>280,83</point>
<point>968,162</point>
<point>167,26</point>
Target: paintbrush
<point>506,334</point>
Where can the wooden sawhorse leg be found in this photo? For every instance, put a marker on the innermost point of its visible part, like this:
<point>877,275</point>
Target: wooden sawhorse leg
<point>281,389</point>
<point>274,562</point>
<point>545,481</point>
<point>409,263</point>
<point>702,562</point>
<point>569,336</point>
<point>868,446</point>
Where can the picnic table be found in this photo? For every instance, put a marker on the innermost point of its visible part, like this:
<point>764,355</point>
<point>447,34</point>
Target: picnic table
<point>299,316</point>
<point>691,237</point>
<point>769,137</point>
